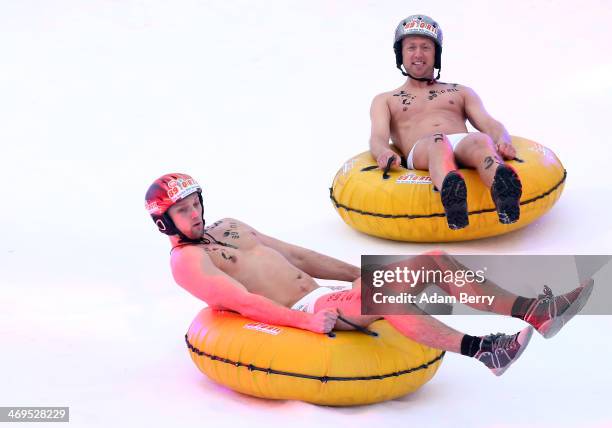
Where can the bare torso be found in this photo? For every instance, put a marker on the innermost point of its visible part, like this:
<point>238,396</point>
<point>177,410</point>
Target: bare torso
<point>421,112</point>
<point>261,269</point>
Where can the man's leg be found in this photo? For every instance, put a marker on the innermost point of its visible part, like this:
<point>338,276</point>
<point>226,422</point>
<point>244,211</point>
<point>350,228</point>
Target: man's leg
<point>416,324</point>
<point>434,261</point>
<point>547,313</point>
<point>438,260</point>
<point>497,352</point>
<point>435,153</point>
<point>477,150</point>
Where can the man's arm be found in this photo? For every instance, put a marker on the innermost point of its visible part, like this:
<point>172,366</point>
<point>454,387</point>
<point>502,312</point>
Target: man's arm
<point>314,264</point>
<point>381,132</point>
<point>484,122</point>
<point>195,272</point>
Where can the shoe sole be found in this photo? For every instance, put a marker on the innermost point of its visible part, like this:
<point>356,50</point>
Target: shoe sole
<point>506,192</point>
<point>552,327</point>
<point>527,338</point>
<point>454,200</point>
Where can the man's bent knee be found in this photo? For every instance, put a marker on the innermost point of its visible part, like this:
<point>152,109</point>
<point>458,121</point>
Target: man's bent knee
<point>478,141</point>
<point>438,142</point>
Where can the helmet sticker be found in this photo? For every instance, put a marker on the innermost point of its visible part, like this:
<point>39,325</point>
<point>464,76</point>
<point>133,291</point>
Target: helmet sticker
<point>418,25</point>
<point>152,207</point>
<point>181,188</point>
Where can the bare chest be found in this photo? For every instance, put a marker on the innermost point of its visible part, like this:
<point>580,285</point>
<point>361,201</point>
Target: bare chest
<point>406,105</point>
<point>230,243</point>
<point>232,232</point>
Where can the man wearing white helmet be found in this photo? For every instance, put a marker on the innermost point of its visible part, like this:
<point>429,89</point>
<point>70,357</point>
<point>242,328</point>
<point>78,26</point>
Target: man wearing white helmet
<point>230,265</point>
<point>425,120</point>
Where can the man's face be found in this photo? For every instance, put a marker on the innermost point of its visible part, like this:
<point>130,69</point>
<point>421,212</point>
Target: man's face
<point>418,55</point>
<point>187,216</point>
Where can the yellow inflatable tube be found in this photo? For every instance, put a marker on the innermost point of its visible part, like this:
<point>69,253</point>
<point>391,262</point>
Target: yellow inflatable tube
<point>404,207</point>
<point>267,361</point>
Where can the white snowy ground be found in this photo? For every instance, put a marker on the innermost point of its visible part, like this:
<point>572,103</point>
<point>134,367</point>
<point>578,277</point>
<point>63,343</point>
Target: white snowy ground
<point>262,102</point>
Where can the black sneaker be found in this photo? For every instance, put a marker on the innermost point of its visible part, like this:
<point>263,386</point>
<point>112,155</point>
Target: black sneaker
<point>499,351</point>
<point>506,192</point>
<point>549,313</point>
<point>454,200</point>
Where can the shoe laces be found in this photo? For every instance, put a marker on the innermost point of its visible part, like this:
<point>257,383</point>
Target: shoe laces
<point>500,341</point>
<point>547,296</point>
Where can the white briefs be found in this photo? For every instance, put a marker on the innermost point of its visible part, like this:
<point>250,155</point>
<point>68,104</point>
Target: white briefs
<point>307,303</point>
<point>453,138</point>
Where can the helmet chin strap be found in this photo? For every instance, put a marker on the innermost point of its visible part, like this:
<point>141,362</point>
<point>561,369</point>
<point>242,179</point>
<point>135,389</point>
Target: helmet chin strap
<point>430,81</point>
<point>185,240</point>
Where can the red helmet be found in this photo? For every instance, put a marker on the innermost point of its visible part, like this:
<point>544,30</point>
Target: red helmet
<point>166,191</point>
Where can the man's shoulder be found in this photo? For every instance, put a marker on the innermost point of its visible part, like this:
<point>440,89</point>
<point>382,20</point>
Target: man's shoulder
<point>383,98</point>
<point>189,262</point>
<point>186,254</point>
<point>457,86</point>
<point>226,220</point>
<point>466,92</point>
<point>388,94</point>
<point>450,85</point>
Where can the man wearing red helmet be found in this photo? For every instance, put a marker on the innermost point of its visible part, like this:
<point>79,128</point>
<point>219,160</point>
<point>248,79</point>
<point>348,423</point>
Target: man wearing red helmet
<point>425,120</point>
<point>230,265</point>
